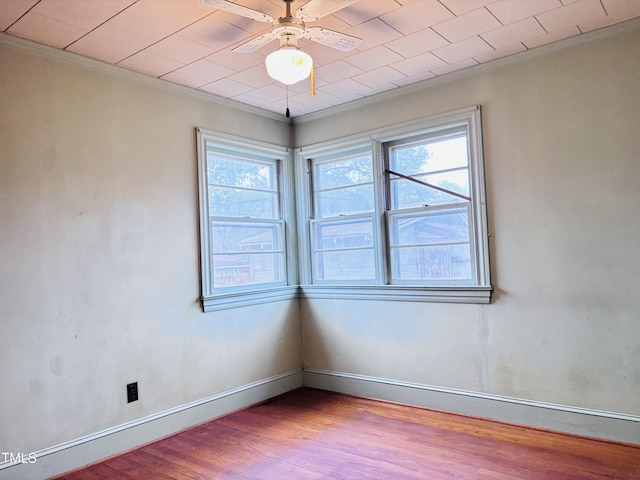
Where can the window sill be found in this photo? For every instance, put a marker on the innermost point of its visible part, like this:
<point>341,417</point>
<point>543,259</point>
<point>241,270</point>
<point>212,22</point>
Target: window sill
<point>448,294</point>
<point>452,294</point>
<point>241,299</point>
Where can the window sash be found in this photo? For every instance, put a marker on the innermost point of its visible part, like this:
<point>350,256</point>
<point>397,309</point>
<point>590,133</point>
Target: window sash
<point>351,255</point>
<point>464,238</point>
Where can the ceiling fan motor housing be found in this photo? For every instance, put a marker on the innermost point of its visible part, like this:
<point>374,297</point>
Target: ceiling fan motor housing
<point>288,30</point>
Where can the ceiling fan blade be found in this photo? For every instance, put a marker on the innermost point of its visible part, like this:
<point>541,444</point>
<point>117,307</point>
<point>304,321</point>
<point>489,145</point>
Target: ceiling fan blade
<point>239,10</point>
<point>315,9</point>
<point>337,40</point>
<point>255,43</point>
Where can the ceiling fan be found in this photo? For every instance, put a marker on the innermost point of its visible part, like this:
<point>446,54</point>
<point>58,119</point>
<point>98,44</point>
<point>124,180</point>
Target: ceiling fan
<point>288,64</point>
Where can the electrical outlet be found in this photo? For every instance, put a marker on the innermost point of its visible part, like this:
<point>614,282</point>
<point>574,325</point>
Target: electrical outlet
<point>132,392</point>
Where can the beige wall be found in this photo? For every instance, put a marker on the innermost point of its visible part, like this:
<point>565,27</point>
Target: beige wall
<point>563,179</point>
<point>99,263</point>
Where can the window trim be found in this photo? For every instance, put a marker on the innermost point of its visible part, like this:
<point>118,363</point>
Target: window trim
<point>481,293</point>
<point>245,295</point>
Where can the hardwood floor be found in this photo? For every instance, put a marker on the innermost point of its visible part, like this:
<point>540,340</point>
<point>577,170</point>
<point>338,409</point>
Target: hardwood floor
<point>313,434</point>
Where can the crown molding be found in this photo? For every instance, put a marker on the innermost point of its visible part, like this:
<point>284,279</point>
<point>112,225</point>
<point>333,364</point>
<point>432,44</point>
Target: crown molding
<point>131,75</point>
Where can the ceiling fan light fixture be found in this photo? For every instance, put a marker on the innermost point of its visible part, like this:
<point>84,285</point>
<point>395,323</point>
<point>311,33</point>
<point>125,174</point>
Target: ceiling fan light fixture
<point>289,65</point>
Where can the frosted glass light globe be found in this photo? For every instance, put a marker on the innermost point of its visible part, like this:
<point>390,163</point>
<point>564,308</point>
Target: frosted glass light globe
<point>288,65</point>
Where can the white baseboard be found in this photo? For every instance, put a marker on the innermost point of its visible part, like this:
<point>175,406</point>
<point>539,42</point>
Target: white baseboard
<point>91,448</point>
<point>579,421</point>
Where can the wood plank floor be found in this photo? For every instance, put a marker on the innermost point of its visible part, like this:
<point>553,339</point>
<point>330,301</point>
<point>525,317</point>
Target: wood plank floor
<point>313,434</point>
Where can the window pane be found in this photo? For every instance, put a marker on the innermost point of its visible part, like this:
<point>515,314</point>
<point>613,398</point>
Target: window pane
<point>239,237</point>
<point>238,172</point>
<point>451,263</point>
<point>344,250</point>
<point>442,162</point>
<point>405,193</point>
<point>344,201</point>
<point>259,266</point>
<point>448,226</point>
<point>429,246</point>
<point>233,202</point>
<point>348,171</point>
<point>351,265</point>
<point>346,234</point>
<point>247,269</point>
<point>430,155</point>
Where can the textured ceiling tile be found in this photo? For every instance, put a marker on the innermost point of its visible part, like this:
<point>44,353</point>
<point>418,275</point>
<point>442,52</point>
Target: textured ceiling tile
<point>321,54</point>
<point>13,10</point>
<point>418,64</point>
<point>345,88</point>
<point>417,43</point>
<point>374,58</point>
<point>514,33</point>
<point>159,18</point>
<point>509,11</point>
<point>249,100</point>
<point>416,16</point>
<point>462,50</point>
<point>466,63</point>
<point>571,14</point>
<point>345,99</point>
<point>237,61</point>
<point>271,92</point>
<point>82,13</point>
<point>150,63</point>
<point>206,71</point>
<point>364,11</point>
<point>499,53</point>
<point>182,79</point>
<point>46,30</point>
<point>552,37</point>
<point>255,76</point>
<point>626,8</point>
<point>110,43</point>
<point>336,71</point>
<point>467,25</point>
<point>463,6</point>
<point>184,50</point>
<point>617,11</point>
<point>226,87</point>
<point>306,98</point>
<point>305,86</point>
<point>379,76</point>
<point>214,33</point>
<point>414,79</point>
<point>374,32</point>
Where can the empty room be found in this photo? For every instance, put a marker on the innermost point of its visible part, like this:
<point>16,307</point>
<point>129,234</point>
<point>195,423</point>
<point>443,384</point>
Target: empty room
<point>409,252</point>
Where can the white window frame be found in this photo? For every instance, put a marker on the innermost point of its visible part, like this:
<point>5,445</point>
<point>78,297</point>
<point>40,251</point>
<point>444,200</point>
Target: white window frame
<point>217,299</point>
<point>313,221</point>
<point>479,292</point>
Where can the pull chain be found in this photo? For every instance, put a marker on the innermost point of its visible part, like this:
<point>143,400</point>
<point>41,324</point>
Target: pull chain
<point>287,114</point>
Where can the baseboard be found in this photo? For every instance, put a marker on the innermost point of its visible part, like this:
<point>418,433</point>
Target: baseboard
<point>573,420</point>
<point>91,448</point>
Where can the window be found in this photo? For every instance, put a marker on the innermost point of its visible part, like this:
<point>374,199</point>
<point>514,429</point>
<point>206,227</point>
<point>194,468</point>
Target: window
<point>399,214</point>
<point>243,217</point>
